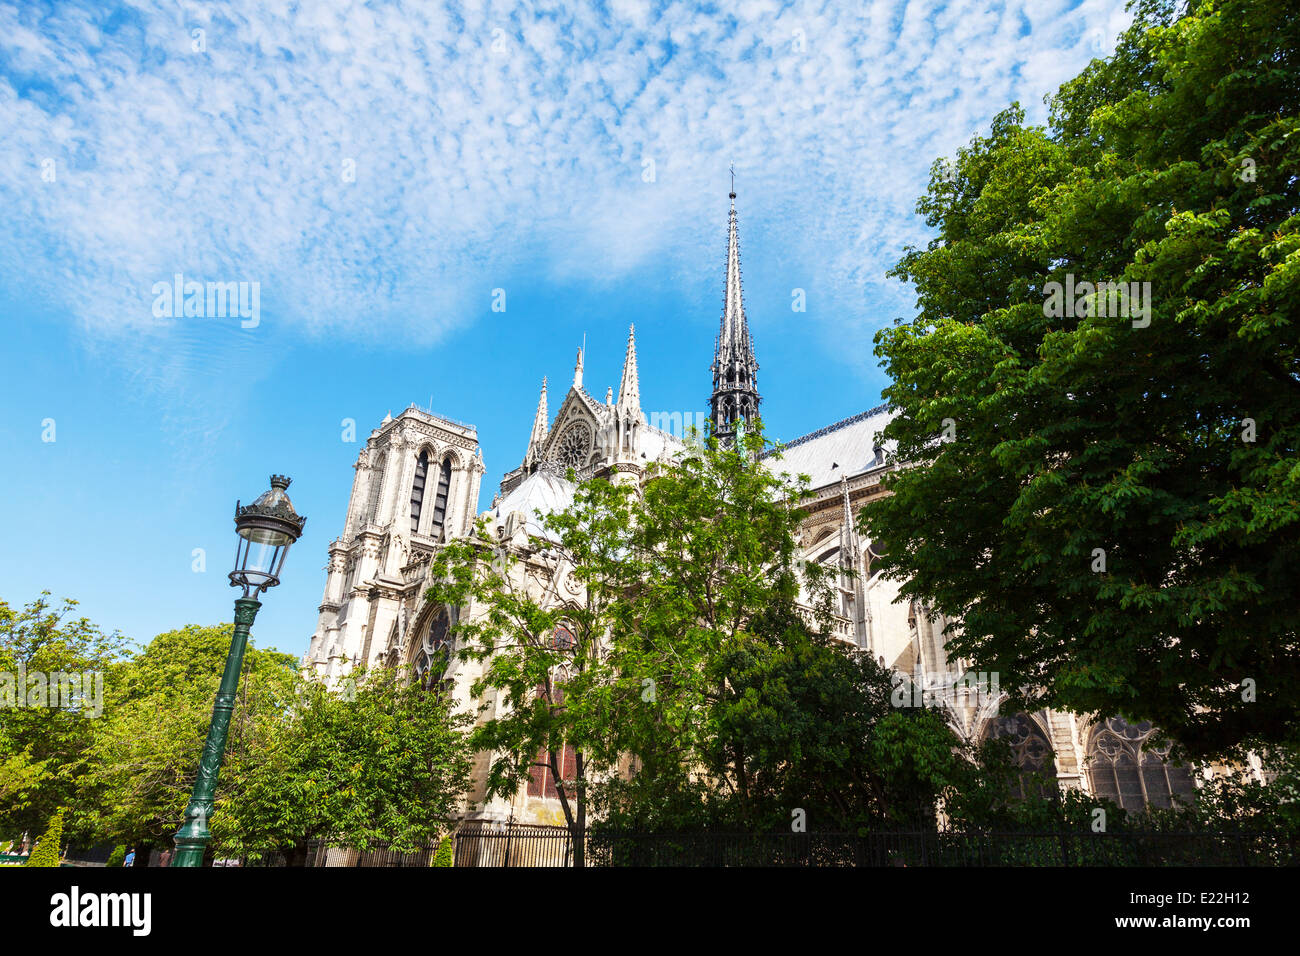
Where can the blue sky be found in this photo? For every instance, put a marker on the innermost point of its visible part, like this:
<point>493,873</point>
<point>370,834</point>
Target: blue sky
<point>378,170</point>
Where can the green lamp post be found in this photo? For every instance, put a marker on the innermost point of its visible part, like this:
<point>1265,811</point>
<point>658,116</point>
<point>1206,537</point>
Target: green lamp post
<point>266,529</point>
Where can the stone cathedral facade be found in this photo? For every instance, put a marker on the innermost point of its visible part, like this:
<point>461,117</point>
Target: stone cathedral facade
<point>417,485</point>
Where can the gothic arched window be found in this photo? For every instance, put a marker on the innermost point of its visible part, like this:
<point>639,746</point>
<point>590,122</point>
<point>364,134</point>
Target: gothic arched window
<point>417,490</point>
<point>1030,752</point>
<point>874,555</point>
<point>541,782</point>
<point>440,500</point>
<point>435,647</point>
<point>562,639</point>
<point>1127,766</point>
<point>376,489</point>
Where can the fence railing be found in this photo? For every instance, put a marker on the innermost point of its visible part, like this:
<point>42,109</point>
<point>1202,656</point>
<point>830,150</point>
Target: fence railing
<point>512,845</point>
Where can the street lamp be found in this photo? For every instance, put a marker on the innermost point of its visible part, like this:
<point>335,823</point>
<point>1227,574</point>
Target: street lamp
<point>266,529</point>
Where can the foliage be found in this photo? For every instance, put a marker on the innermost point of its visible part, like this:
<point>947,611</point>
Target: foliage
<point>46,852</point>
<point>669,577</point>
<point>145,754</point>
<point>444,855</point>
<point>692,656</point>
<point>822,743</point>
<point>1235,799</point>
<point>43,749</point>
<point>381,761</point>
<point>117,857</point>
<point>1112,507</point>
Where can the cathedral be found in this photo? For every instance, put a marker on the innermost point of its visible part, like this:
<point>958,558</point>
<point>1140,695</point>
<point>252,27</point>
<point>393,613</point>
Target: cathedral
<point>417,485</point>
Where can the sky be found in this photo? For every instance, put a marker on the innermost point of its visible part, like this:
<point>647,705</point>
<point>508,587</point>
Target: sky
<point>381,176</point>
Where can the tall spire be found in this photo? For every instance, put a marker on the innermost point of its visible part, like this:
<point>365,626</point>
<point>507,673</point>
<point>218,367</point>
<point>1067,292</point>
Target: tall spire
<point>540,424</point>
<point>577,370</point>
<point>735,371</point>
<point>541,419</point>
<point>852,585</point>
<point>850,547</point>
<point>629,389</point>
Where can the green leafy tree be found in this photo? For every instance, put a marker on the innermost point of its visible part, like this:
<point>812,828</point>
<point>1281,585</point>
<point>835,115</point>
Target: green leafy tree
<point>43,748</point>
<point>543,662</point>
<point>1235,799</point>
<point>1106,491</point>
<point>690,654</point>
<point>824,743</point>
<point>46,852</point>
<point>444,855</point>
<point>145,754</point>
<point>380,761</point>
<point>117,857</point>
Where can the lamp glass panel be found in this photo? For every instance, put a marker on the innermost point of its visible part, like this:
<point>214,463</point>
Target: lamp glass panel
<point>265,536</point>
<point>260,557</point>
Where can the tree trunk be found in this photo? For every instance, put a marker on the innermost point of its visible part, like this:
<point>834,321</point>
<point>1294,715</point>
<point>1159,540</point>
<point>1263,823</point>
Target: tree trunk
<point>296,853</point>
<point>577,827</point>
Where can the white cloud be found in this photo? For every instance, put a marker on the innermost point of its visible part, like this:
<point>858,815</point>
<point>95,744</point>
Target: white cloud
<point>475,149</point>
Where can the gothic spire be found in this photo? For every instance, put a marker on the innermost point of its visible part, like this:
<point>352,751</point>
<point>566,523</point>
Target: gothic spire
<point>850,548</point>
<point>735,371</point>
<point>629,389</point>
<point>541,419</point>
<point>577,371</point>
<point>540,425</point>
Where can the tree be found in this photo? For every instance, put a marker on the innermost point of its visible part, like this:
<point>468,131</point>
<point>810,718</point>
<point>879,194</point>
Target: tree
<point>690,586</point>
<point>1102,488</point>
<point>146,750</point>
<point>46,852</point>
<point>823,744</point>
<point>44,738</point>
<point>444,856</point>
<point>379,761</point>
<point>543,661</point>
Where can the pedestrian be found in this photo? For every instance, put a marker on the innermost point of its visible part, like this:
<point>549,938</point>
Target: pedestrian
<point>130,858</point>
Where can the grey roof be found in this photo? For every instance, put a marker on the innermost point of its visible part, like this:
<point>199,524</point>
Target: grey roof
<point>541,491</point>
<point>845,449</point>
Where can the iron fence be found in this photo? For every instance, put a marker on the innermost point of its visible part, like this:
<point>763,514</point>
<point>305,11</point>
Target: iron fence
<point>516,845</point>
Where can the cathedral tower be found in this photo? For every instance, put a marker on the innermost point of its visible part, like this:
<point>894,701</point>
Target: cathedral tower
<point>735,371</point>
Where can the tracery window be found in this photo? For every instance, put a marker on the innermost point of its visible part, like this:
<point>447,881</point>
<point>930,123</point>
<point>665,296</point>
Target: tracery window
<point>562,638</point>
<point>541,782</point>
<point>1030,751</point>
<point>435,646</point>
<point>874,556</point>
<point>1127,766</point>
<point>417,490</point>
<point>574,445</point>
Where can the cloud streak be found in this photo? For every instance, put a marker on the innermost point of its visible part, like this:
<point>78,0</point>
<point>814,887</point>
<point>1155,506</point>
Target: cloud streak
<point>380,169</point>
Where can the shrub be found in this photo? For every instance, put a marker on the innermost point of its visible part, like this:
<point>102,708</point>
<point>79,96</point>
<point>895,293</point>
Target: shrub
<point>444,855</point>
<point>46,852</point>
<point>117,857</point>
